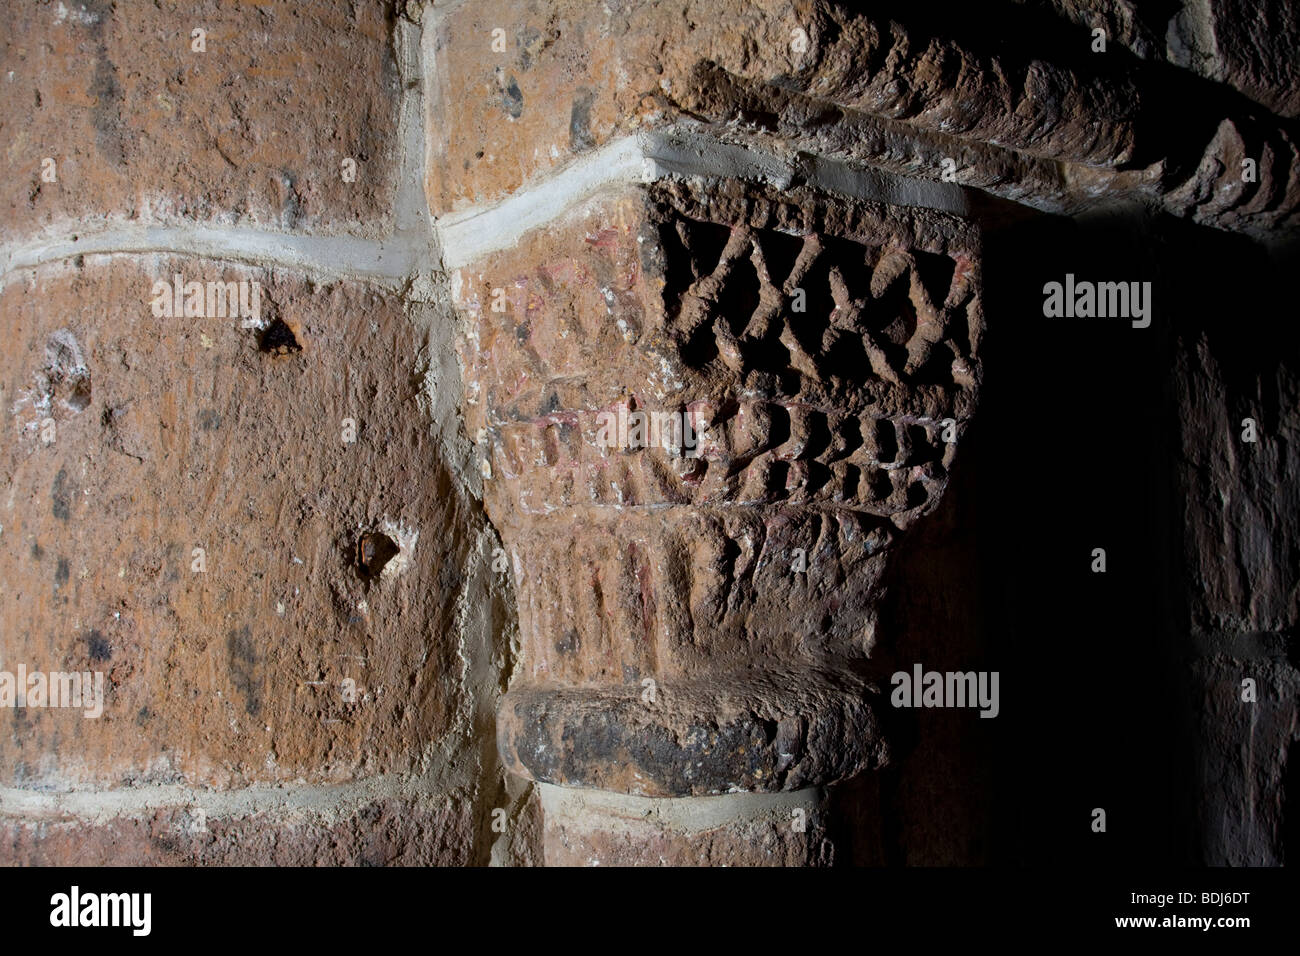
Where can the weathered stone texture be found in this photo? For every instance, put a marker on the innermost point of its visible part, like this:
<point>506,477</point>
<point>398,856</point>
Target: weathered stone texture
<point>1064,133</point>
<point>573,76</point>
<point>1244,752</point>
<point>771,728</point>
<point>509,130</point>
<point>183,433</point>
<point>144,129</point>
<point>603,830</point>
<point>1246,44</point>
<point>1254,49</point>
<point>700,631</point>
<point>1243,505</point>
<point>383,832</point>
<point>823,438</point>
<point>1242,547</point>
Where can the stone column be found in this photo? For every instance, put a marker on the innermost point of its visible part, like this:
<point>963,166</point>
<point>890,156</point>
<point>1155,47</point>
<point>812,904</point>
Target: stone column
<point>696,607</point>
<point>696,618</point>
<point>751,214</point>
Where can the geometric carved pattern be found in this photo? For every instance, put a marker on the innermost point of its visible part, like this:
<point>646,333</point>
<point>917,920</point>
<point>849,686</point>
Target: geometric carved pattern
<point>750,453</point>
<point>821,367</point>
<point>862,310</point>
<point>819,344</point>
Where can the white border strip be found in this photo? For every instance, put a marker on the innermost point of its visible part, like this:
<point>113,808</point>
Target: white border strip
<point>674,154</point>
<point>344,256</point>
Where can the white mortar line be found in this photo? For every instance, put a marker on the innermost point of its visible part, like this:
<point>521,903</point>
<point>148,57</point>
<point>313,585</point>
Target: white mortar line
<point>328,800</point>
<point>410,248</point>
<point>468,234</point>
<point>614,811</point>
<point>411,219</point>
<point>686,152</point>
<point>340,256</point>
<point>439,10</point>
<point>391,260</point>
<point>679,153</point>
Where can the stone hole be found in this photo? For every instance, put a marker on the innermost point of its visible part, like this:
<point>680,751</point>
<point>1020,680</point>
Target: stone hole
<point>374,551</point>
<point>278,339</point>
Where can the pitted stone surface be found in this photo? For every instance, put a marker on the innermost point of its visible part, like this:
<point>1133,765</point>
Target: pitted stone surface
<point>144,128</point>
<point>750,732</point>
<point>172,434</point>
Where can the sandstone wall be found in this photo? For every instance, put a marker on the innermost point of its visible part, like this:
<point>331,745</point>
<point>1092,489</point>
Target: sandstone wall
<point>350,570</point>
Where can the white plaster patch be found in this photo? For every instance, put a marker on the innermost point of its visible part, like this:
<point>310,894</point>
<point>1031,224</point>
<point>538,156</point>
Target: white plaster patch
<point>79,15</point>
<point>405,539</point>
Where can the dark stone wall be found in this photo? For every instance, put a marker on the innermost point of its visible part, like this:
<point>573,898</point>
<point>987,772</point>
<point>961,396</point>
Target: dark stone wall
<point>1120,690</point>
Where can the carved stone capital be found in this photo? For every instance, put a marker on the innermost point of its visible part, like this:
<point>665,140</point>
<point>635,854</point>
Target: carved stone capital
<point>696,607</point>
